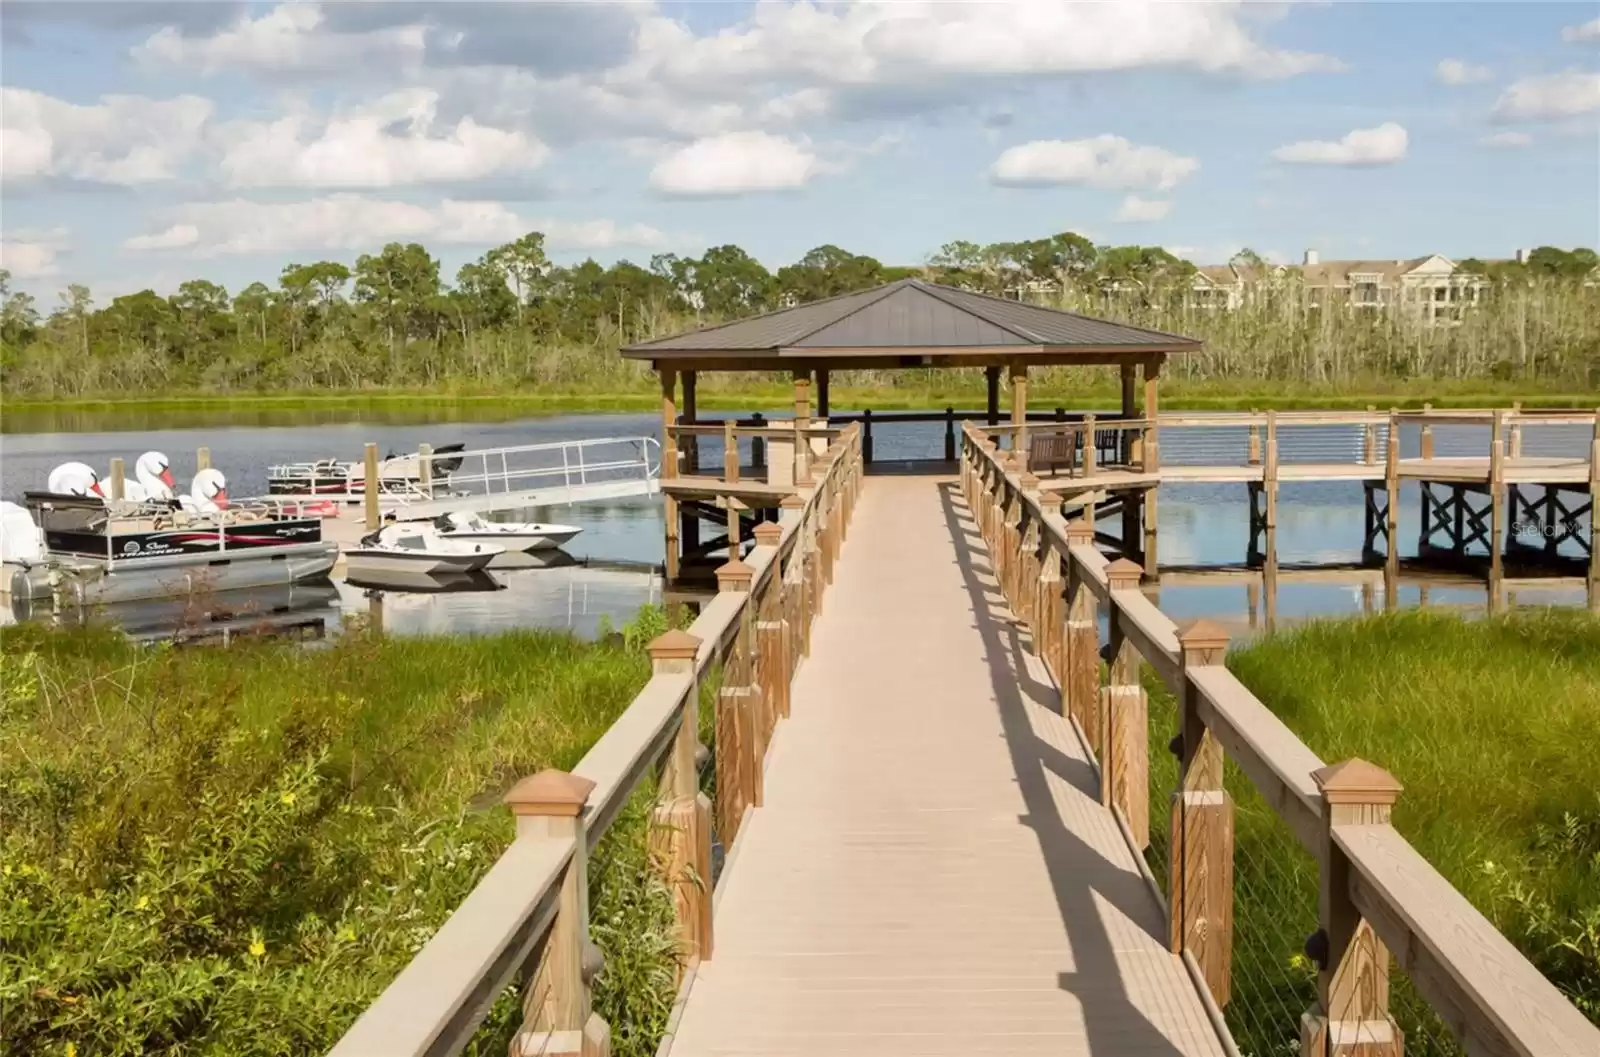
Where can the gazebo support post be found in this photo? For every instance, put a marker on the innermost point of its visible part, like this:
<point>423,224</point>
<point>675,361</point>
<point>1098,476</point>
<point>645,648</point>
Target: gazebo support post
<point>669,464</point>
<point>1019,414</point>
<point>802,427</point>
<point>1151,459</point>
<point>822,393</point>
<point>690,443</point>
<point>991,379</point>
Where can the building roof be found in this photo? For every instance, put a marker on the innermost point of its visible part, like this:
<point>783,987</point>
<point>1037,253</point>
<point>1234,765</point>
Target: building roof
<point>910,316</point>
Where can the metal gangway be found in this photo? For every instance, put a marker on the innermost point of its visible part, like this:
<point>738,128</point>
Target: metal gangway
<point>427,484</point>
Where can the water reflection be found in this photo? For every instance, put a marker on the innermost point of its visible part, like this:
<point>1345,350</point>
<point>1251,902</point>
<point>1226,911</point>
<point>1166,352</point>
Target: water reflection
<point>613,566</point>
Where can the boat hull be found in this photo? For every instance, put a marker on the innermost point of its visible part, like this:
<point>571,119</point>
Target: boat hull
<point>86,581</point>
<point>371,564</point>
<point>515,541</point>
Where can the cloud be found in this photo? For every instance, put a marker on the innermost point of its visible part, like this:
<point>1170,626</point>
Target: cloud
<point>1136,210</point>
<point>394,141</point>
<point>358,223</point>
<point>1456,72</point>
<point>1107,162</point>
<point>31,254</point>
<point>21,16</point>
<point>177,237</point>
<point>1383,145</point>
<point>289,39</point>
<point>1507,140</point>
<point>123,139</point>
<point>1556,95</point>
<point>734,164</point>
<point>1588,33</point>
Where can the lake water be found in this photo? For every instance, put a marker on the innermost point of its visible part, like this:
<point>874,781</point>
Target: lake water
<point>615,566</point>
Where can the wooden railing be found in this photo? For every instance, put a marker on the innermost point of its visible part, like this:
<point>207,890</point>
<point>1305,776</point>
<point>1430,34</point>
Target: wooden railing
<point>1378,897</point>
<point>526,922</point>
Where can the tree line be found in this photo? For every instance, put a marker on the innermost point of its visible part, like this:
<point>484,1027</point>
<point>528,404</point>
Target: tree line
<point>514,318</point>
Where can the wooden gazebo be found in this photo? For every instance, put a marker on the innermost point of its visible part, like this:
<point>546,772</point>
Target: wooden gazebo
<point>909,323</point>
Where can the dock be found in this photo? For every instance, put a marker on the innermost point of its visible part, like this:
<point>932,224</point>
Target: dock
<point>938,820</point>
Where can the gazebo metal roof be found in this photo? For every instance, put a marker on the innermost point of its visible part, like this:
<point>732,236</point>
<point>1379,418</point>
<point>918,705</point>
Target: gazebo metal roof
<point>912,318</point>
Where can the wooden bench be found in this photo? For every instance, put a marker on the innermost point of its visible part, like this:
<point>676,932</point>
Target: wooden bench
<point>1053,451</point>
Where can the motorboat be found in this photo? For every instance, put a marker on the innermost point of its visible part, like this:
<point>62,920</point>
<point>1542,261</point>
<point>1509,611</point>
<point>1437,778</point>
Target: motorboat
<point>86,551</point>
<point>512,535</point>
<point>414,547</point>
<point>396,473</point>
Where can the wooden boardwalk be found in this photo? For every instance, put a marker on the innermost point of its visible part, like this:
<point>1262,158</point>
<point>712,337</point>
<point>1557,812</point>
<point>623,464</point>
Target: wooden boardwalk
<point>931,872</point>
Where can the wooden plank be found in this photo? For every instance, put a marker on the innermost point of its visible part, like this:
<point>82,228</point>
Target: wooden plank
<point>1275,760</point>
<point>1488,994</point>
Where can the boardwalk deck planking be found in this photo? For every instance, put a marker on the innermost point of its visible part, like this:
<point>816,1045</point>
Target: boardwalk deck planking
<point>931,871</point>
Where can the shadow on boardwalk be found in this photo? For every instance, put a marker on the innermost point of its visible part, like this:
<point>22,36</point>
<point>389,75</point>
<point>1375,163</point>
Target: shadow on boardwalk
<point>1082,875</point>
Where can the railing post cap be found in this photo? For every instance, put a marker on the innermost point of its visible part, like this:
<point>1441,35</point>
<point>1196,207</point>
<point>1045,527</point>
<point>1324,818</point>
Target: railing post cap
<point>1125,573</point>
<point>1050,502</point>
<point>551,793</point>
<point>1355,781</point>
<point>791,502</point>
<point>1029,482</point>
<point>768,533</point>
<point>1080,530</point>
<point>1202,636</point>
<point>675,645</point>
<point>734,575</point>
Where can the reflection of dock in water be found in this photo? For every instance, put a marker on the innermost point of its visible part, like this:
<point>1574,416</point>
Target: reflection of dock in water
<point>295,611</point>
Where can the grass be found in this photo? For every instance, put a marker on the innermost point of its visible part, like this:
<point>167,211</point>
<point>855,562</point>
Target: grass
<point>1489,725</point>
<point>233,852</point>
<point>907,391</point>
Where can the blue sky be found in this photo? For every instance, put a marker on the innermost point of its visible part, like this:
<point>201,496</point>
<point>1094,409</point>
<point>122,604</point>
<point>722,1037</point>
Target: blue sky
<point>148,143</point>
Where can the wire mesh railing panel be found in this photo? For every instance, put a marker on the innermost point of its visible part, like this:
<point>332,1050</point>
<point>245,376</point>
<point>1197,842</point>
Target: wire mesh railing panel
<point>1556,441</point>
<point>1275,898</point>
<point>1339,444</point>
<point>1205,445</point>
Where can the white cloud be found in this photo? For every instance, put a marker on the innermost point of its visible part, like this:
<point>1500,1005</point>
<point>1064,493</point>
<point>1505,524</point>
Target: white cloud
<point>1455,71</point>
<point>359,223</point>
<point>393,141</point>
<point>1108,162</point>
<point>122,139</point>
<point>31,254</point>
<point>1136,210</point>
<point>1587,33</point>
<point>736,163</point>
<point>1383,145</point>
<point>177,237</point>
<point>1507,140</point>
<point>1556,95</point>
<point>290,38</point>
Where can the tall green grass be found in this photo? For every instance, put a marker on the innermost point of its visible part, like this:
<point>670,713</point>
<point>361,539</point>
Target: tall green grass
<point>233,852</point>
<point>1491,726</point>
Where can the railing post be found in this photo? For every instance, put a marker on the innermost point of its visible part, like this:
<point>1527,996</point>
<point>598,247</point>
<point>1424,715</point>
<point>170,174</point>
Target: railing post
<point>1082,653</point>
<point>738,754</point>
<point>680,834</point>
<point>866,436</point>
<point>1200,873</point>
<point>1369,438</point>
<point>802,454</point>
<point>949,434</point>
<point>800,558</point>
<point>730,452</point>
<point>1514,435</point>
<point>1351,1017</point>
<point>1010,540</point>
<point>1047,596</point>
<point>1091,453</point>
<point>1427,433</point>
<point>557,1013</point>
<point>1253,457</point>
<point>772,645</point>
<point>1027,555</point>
<point>1125,741</point>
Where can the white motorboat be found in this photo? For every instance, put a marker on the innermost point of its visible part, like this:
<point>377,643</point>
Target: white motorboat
<point>409,547</point>
<point>512,535</point>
